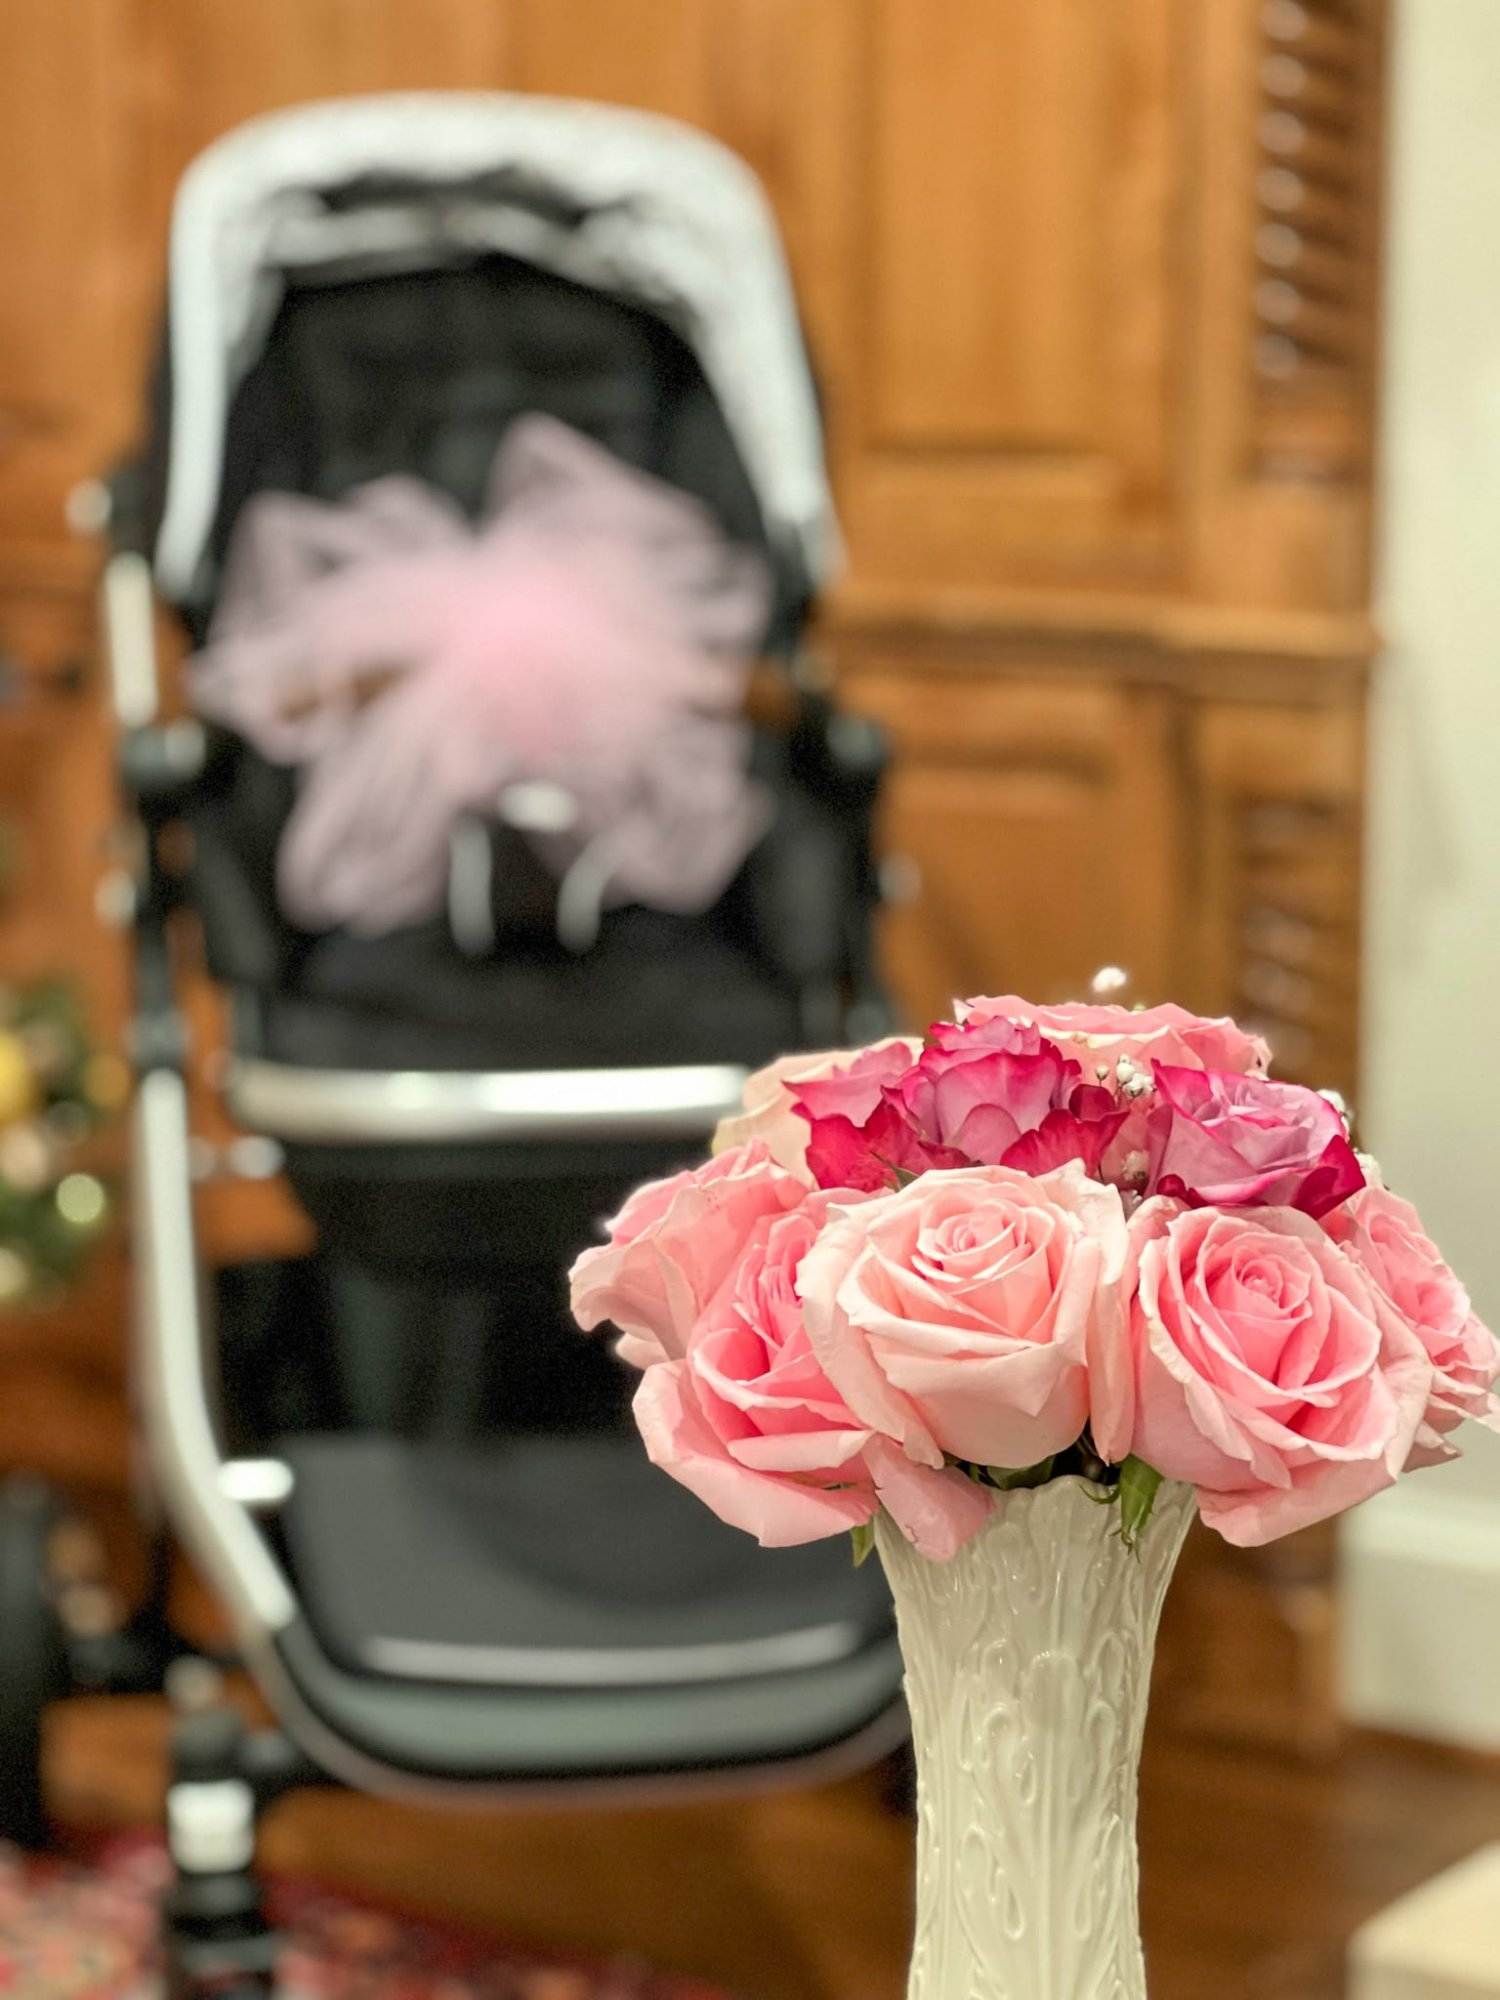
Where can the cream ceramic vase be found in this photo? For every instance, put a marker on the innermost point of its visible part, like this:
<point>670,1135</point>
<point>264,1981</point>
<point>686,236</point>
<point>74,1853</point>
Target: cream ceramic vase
<point>1028,1668</point>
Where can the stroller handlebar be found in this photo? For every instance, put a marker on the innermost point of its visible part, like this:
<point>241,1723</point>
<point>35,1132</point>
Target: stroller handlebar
<point>425,1107</point>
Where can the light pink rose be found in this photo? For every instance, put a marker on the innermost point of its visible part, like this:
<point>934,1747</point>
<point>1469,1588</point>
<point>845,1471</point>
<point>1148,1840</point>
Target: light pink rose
<point>1383,1235</point>
<point>1224,1141</point>
<point>1102,1034</point>
<point>748,1421</point>
<point>673,1245</point>
<point>959,1314</point>
<point>1264,1371</point>
<point>769,1116</point>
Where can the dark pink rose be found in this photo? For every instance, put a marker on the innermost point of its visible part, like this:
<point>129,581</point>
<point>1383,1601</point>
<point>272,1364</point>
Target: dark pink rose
<point>996,1094</point>
<point>1384,1237</point>
<point>768,1114</point>
<point>747,1419</point>
<point>1002,1095</point>
<point>1229,1141</point>
<point>859,1137</point>
<point>1260,1368</point>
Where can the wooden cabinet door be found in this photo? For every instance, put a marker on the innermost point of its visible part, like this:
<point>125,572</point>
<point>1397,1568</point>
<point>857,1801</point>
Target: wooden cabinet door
<point>69,359</point>
<point>982,195</point>
<point>1027,830</point>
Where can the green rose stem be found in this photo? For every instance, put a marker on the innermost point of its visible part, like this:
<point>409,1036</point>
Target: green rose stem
<point>1138,1487</point>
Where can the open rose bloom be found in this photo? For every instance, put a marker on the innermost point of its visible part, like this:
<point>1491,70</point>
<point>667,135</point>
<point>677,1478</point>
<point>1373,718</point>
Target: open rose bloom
<point>1039,1241</point>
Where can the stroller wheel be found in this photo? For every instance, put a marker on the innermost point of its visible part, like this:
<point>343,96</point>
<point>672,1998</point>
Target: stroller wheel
<point>33,1661</point>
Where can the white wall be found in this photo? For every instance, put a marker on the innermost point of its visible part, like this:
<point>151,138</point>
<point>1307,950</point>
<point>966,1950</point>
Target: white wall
<point>1423,1564</point>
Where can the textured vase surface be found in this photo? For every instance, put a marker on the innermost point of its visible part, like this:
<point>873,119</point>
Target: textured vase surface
<point>1028,1668</point>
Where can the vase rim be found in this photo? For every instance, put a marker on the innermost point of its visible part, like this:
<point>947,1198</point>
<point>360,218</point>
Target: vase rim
<point>1076,1479</point>
<point>1174,1498</point>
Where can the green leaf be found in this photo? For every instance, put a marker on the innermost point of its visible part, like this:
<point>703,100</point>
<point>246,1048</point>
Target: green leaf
<point>1009,1481</point>
<point>1138,1485</point>
<point>862,1540</point>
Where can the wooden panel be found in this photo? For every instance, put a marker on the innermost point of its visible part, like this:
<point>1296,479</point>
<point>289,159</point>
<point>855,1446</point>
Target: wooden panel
<point>214,63</point>
<point>66,1423</point>
<point>654,53</point>
<point>220,63</point>
<point>1278,806</point>
<point>1028,822</point>
<point>1279,447</point>
<point>987,259</point>
<point>70,171</point>
<point>1275,793</point>
<point>1249,1643</point>
<point>1000,366</point>
<point>56,800</point>
<point>1316,237</point>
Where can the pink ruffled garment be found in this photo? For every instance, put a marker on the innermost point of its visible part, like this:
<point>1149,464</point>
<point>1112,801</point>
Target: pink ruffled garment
<point>593,636</point>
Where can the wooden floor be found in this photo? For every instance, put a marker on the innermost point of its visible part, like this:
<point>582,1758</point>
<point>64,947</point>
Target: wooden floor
<point>1255,1868</point>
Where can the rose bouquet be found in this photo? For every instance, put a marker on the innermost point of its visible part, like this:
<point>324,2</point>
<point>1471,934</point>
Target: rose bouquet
<point>1042,1241</point>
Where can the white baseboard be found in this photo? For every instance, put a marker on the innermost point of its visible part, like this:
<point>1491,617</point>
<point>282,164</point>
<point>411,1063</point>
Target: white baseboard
<point>1420,1616</point>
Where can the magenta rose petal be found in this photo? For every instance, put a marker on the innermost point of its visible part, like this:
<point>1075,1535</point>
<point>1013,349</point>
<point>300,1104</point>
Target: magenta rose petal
<point>769,1117</point>
<point>1231,1141</point>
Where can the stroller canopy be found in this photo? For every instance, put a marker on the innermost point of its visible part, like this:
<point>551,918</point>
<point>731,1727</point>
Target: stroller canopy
<point>624,202</point>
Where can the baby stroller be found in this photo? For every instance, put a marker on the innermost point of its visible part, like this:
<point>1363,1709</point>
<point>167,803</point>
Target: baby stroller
<point>449,1567</point>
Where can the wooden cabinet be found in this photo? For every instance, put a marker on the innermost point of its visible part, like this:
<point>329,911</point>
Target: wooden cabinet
<point>1277,860</point>
<point>72,317</point>
<point>1090,287</point>
<point>1027,828</point>
<point>995,189</point>
<point>1054,810</point>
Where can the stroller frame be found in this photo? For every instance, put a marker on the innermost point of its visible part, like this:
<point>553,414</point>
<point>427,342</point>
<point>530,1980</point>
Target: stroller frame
<point>223,1774</point>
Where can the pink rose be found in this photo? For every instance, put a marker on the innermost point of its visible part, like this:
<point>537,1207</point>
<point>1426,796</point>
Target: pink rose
<point>1101,1035</point>
<point>995,1095</point>
<point>1000,1094</point>
<point>1383,1236</point>
<point>959,1314</point>
<point>1228,1141</point>
<point>1263,1370</point>
<point>673,1245</point>
<point>768,1100</point>
<point>748,1421</point>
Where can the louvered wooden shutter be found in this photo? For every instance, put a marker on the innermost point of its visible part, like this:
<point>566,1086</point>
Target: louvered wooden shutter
<point>1316,234</point>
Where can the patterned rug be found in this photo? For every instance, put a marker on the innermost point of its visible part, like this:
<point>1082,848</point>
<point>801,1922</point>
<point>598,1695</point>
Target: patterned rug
<point>70,1932</point>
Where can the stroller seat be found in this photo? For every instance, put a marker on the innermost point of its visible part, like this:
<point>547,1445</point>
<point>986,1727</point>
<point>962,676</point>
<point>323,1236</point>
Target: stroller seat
<point>629,1630</point>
